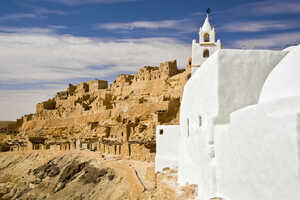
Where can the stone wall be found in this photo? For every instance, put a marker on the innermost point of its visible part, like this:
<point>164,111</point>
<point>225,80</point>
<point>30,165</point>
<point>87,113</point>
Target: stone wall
<point>95,85</point>
<point>168,69</point>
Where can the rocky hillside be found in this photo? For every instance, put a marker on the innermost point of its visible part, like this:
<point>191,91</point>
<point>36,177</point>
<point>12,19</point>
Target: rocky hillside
<point>57,175</point>
<point>116,119</point>
<point>79,175</point>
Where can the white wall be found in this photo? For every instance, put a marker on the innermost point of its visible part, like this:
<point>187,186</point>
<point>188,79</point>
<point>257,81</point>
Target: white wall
<point>227,81</point>
<point>167,147</point>
<point>196,163</point>
<point>242,74</point>
<point>258,158</point>
<point>198,100</point>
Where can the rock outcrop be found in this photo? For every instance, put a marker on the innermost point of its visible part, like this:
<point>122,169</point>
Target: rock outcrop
<point>84,175</point>
<point>71,175</point>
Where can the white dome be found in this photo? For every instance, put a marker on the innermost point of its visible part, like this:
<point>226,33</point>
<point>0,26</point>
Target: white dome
<point>284,80</point>
<point>206,25</point>
<point>289,49</point>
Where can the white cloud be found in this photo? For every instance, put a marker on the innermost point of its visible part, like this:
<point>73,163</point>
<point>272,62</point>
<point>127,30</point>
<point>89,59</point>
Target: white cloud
<point>43,11</point>
<point>270,41</point>
<point>181,26</point>
<point>7,29</point>
<point>57,27</point>
<point>80,2</point>
<point>35,14</point>
<point>142,24</point>
<point>14,104</point>
<point>18,16</point>
<point>39,57</point>
<point>258,26</point>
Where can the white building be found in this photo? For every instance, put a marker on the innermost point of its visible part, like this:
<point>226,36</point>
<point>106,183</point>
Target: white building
<point>239,127</point>
<point>207,45</point>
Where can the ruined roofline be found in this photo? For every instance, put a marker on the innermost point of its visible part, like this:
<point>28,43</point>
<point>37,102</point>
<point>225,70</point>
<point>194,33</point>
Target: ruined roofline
<point>85,86</point>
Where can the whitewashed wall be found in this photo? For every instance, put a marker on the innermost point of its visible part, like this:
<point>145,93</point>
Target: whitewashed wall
<point>258,158</point>
<point>229,80</point>
<point>167,147</point>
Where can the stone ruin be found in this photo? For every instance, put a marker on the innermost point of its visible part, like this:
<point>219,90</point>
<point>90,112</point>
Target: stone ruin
<point>118,119</point>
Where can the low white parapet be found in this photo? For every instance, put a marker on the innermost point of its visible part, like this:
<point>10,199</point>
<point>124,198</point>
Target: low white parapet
<point>167,139</point>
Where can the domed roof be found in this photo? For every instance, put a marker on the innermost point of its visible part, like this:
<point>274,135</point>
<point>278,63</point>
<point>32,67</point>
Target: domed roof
<point>290,48</point>
<point>284,80</point>
<point>206,25</point>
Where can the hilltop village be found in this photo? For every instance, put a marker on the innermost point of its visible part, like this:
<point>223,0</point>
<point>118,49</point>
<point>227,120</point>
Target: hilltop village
<point>119,118</point>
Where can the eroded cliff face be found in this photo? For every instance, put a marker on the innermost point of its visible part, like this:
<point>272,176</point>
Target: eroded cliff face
<point>116,119</point>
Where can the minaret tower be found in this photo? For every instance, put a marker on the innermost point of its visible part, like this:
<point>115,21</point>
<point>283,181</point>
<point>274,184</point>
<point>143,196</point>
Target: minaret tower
<point>207,44</point>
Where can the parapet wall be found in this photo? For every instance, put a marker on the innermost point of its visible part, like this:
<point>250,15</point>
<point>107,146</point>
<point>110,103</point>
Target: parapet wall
<point>97,84</point>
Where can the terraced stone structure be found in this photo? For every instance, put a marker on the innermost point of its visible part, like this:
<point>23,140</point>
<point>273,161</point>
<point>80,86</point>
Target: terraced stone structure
<point>118,119</point>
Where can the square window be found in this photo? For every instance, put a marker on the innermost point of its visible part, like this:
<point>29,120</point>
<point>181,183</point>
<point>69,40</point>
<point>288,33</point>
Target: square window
<point>161,131</point>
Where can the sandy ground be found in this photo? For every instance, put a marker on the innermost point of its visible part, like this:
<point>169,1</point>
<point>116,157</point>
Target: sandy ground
<point>73,175</point>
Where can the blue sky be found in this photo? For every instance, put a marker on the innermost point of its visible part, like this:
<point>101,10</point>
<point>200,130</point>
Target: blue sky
<point>46,44</point>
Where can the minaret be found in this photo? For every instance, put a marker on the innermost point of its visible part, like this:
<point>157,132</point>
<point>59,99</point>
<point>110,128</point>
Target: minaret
<point>206,32</point>
<point>207,44</point>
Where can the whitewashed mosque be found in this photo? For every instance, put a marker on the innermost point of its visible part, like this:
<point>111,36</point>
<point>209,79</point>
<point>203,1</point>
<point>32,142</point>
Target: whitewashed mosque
<point>239,132</point>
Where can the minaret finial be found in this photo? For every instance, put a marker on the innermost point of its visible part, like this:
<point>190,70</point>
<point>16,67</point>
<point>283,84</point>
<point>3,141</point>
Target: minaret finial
<point>208,11</point>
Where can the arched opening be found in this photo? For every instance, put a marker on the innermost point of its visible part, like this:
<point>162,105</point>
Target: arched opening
<point>199,121</point>
<point>206,37</point>
<point>206,53</point>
